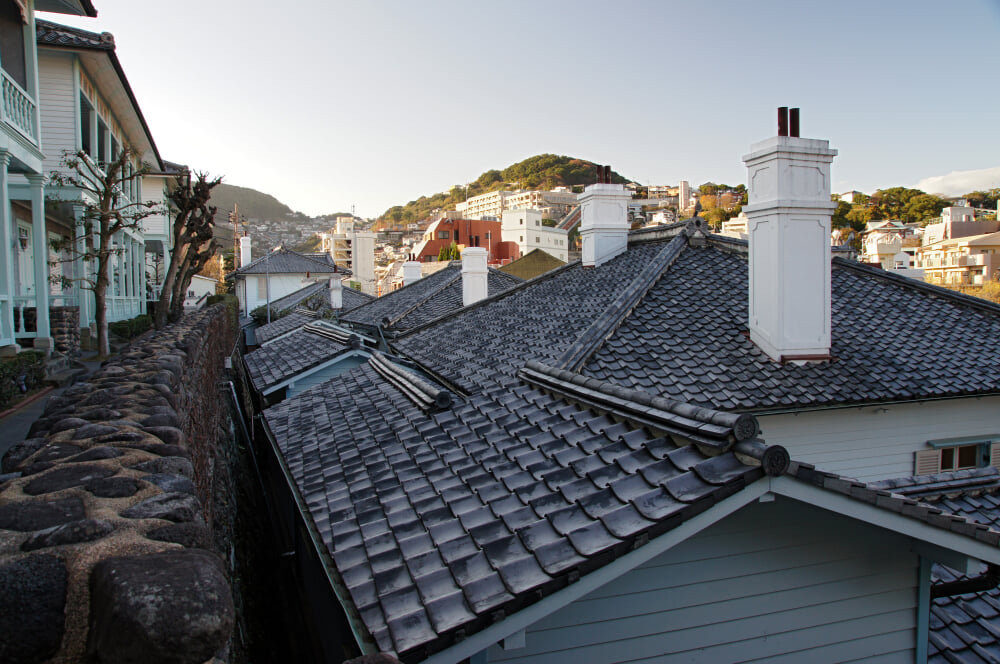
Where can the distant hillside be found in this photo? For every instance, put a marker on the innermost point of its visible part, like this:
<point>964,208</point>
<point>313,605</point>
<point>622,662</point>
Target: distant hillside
<point>253,204</point>
<point>544,171</point>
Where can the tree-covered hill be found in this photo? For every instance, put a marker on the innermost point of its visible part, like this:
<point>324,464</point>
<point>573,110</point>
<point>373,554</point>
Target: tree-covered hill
<point>253,204</point>
<point>544,171</point>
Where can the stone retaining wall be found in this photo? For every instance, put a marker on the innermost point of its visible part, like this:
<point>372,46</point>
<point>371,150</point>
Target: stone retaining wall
<point>64,323</point>
<point>106,521</point>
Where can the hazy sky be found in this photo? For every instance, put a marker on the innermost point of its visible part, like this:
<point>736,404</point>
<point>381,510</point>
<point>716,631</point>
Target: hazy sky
<point>327,104</point>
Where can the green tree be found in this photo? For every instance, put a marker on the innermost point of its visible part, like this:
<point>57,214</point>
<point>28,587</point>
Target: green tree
<point>923,207</point>
<point>840,219</point>
<point>450,253</point>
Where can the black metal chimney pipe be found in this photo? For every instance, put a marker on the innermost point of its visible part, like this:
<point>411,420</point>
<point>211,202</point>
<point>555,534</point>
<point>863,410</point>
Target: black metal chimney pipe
<point>782,121</point>
<point>793,122</point>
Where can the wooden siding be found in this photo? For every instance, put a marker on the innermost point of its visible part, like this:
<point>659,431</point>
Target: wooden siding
<point>775,582</point>
<point>869,444</point>
<point>57,103</point>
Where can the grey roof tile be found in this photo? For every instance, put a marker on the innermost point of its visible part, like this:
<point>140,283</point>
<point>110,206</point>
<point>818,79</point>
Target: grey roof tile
<point>289,356</point>
<point>286,261</point>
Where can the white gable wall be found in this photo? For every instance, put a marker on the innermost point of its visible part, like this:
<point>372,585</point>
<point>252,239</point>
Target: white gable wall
<point>878,442</point>
<point>57,103</point>
<point>774,582</point>
<point>281,285</point>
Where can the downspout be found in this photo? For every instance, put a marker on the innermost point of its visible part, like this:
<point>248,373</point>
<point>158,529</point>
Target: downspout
<point>987,581</point>
<point>923,610</point>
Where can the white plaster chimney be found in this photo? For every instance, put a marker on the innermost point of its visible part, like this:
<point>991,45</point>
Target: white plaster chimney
<point>336,293</point>
<point>603,222</point>
<point>245,250</point>
<point>411,272</point>
<point>788,211</point>
<point>474,275</point>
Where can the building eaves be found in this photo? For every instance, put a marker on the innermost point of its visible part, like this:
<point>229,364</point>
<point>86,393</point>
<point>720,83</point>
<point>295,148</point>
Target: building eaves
<point>289,356</point>
<point>61,36</point>
<point>286,261</point>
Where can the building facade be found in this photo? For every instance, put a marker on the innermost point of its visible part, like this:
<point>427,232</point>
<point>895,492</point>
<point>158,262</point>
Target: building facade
<point>524,228</point>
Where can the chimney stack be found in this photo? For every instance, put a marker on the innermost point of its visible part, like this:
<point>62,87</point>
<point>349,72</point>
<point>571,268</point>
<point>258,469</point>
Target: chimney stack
<point>411,272</point>
<point>336,293</point>
<point>475,286</point>
<point>789,211</point>
<point>245,251</point>
<point>603,222</point>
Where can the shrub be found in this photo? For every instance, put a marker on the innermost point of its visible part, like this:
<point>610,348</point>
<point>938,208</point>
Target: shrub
<point>133,327</point>
<point>22,373</point>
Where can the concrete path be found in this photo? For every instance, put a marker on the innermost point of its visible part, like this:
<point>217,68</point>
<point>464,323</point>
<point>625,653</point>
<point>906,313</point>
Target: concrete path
<point>14,427</point>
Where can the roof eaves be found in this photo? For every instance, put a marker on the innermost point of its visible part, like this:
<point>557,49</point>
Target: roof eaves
<point>493,298</point>
<point>110,50</point>
<point>920,286</point>
<point>713,429</point>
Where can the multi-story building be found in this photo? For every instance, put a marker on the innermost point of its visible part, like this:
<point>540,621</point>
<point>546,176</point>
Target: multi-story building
<point>524,228</point>
<point>87,105</point>
<point>354,248</point>
<point>972,259</point>
<point>956,222</point>
<point>442,232</point>
<point>553,204</point>
<point>26,155</point>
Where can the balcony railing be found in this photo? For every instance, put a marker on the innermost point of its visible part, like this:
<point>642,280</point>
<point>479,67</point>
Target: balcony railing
<point>25,316</point>
<point>19,109</point>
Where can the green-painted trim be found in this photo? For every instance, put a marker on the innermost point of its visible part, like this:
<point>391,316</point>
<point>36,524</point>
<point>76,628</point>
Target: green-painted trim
<point>967,440</point>
<point>923,609</point>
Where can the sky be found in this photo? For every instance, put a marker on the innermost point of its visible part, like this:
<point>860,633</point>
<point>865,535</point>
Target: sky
<point>326,104</point>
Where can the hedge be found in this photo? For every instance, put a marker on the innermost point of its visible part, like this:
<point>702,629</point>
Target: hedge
<point>22,373</point>
<point>133,327</point>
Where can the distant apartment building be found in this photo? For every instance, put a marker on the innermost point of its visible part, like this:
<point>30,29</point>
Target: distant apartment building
<point>354,248</point>
<point>971,260</point>
<point>684,195</point>
<point>956,222</point>
<point>524,228</point>
<point>554,204</point>
<point>442,232</point>
<point>889,244</point>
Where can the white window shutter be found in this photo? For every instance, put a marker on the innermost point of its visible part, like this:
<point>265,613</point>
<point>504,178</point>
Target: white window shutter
<point>928,462</point>
<point>995,455</point>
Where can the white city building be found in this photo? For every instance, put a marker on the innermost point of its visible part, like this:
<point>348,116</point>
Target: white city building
<point>524,227</point>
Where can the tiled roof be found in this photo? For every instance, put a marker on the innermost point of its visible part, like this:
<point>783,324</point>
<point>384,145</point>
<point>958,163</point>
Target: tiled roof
<point>424,300</point>
<point>316,297</point>
<point>965,629</point>
<point>537,320</point>
<point>439,519</point>
<point>283,325</point>
<point>686,337</point>
<point>286,261</point>
<point>534,263</point>
<point>283,358</point>
<point>442,520</point>
<point>53,34</point>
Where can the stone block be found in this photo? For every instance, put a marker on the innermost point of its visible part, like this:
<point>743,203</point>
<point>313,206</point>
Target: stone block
<point>189,620</point>
<point>38,515</point>
<point>33,599</point>
<point>65,477</point>
<point>85,530</point>
<point>177,507</point>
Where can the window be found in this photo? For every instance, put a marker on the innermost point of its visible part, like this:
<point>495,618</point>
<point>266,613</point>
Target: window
<point>443,235</point>
<point>521,221</point>
<point>537,223</point>
<point>12,52</point>
<point>86,126</point>
<point>958,454</point>
<point>537,240</point>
